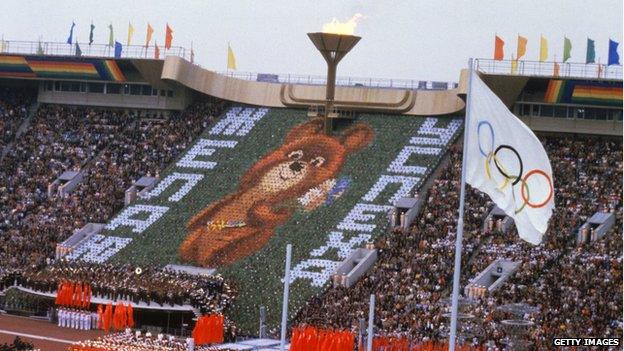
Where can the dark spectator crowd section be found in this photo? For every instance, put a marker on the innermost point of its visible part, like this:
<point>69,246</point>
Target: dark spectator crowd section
<point>112,148</point>
<point>577,289</point>
<point>14,105</point>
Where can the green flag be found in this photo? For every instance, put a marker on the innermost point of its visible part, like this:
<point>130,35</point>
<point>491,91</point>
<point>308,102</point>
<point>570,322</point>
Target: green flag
<point>91,34</point>
<point>111,38</point>
<point>567,48</point>
<point>40,49</point>
<point>591,52</point>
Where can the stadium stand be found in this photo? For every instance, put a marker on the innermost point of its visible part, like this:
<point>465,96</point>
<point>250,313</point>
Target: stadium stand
<point>231,186</point>
<point>14,105</point>
<point>569,284</point>
<point>112,148</point>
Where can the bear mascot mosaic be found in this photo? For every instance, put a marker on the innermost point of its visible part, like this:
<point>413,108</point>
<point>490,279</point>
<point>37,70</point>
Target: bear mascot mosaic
<point>299,174</point>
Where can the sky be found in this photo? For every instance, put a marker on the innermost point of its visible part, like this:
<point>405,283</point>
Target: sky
<point>401,39</point>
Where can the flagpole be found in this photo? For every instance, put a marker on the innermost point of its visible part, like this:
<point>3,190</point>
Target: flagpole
<point>460,220</point>
<point>285,298</point>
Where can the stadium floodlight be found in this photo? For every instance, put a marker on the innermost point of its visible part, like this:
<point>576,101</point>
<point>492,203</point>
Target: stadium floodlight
<point>333,48</point>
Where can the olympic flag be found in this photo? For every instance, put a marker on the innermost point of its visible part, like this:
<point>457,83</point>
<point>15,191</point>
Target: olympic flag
<point>507,161</point>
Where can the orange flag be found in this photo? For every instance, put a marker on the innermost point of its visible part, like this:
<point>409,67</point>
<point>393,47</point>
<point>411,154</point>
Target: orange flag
<point>156,51</point>
<point>148,37</point>
<point>522,44</point>
<point>498,49</point>
<point>168,37</point>
<point>556,70</point>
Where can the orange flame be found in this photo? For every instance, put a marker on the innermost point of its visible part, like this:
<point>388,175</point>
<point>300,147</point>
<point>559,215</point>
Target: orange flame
<point>346,28</point>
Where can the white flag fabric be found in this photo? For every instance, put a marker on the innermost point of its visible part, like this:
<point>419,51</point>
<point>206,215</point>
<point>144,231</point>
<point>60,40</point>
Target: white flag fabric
<point>507,161</point>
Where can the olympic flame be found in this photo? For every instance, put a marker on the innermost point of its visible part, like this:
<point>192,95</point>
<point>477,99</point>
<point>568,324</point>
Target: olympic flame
<point>345,28</point>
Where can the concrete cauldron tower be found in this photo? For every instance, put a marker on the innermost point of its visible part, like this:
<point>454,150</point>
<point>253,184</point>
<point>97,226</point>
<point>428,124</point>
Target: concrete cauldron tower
<point>333,47</point>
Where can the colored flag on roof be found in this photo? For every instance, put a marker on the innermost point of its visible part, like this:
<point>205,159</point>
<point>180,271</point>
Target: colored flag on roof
<point>543,55</point>
<point>522,44</point>
<point>614,57</point>
<point>70,39</point>
<point>498,48</point>
<point>168,37</point>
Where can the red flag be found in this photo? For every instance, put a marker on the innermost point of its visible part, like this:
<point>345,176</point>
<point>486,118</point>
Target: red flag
<point>57,300</point>
<point>100,322</point>
<point>90,293</point>
<point>130,311</point>
<point>72,298</point>
<point>168,37</point>
<point>77,295</point>
<point>156,51</point>
<point>221,329</point>
<point>498,49</point>
<point>108,314</point>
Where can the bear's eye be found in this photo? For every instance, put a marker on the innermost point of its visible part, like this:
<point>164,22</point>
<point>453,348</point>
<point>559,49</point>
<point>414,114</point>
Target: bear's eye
<point>317,161</point>
<point>295,155</point>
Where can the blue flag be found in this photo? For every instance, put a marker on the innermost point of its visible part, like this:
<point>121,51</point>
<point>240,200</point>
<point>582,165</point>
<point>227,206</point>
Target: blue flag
<point>78,51</point>
<point>118,49</point>
<point>614,58</point>
<point>71,34</point>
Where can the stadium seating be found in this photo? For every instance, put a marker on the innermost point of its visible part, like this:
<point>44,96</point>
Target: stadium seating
<point>14,105</point>
<point>570,285</point>
<point>112,149</point>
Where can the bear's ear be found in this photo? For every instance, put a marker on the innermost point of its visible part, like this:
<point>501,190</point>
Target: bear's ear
<point>357,137</point>
<point>314,126</point>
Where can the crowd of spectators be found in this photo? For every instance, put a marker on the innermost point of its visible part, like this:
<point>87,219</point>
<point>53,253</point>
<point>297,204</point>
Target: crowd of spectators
<point>112,148</point>
<point>572,286</point>
<point>59,138</point>
<point>14,105</point>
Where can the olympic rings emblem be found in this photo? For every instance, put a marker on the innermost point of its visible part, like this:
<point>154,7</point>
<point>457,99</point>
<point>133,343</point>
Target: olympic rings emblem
<point>513,179</point>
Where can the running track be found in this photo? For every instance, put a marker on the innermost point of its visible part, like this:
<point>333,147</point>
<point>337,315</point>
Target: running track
<point>44,335</point>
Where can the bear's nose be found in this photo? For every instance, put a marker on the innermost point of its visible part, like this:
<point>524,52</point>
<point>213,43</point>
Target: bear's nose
<point>296,166</point>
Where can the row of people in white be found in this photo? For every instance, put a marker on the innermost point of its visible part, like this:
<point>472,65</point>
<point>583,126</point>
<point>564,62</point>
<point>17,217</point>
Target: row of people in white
<point>77,319</point>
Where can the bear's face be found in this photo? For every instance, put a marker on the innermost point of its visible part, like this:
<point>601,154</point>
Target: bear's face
<point>304,162</point>
<point>307,158</point>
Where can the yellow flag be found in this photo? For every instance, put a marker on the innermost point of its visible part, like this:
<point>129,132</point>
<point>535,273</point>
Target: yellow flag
<point>543,49</point>
<point>231,59</point>
<point>130,33</point>
<point>514,65</point>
